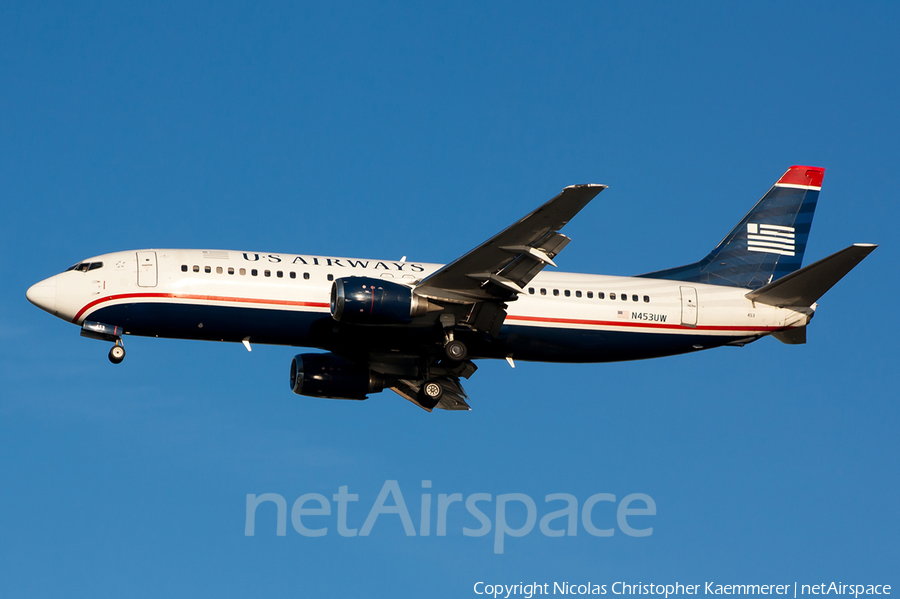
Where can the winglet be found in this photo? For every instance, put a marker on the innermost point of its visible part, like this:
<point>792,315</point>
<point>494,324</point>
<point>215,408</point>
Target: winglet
<point>806,177</point>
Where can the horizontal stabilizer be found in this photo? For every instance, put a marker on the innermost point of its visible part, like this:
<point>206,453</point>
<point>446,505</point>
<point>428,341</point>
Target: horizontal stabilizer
<point>805,286</point>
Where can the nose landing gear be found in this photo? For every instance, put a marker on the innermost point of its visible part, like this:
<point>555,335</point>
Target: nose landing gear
<point>117,353</point>
<point>106,332</point>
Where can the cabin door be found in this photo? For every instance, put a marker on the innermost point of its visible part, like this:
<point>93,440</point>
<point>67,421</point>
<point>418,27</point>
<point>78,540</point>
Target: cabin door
<point>688,306</point>
<point>147,275</point>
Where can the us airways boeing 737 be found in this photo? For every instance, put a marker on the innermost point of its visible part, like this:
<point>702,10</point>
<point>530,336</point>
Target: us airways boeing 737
<point>416,328</point>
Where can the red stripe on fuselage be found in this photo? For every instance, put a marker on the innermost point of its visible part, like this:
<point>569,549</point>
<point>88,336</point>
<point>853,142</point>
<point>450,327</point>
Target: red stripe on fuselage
<point>204,298</point>
<point>275,302</point>
<point>649,325</point>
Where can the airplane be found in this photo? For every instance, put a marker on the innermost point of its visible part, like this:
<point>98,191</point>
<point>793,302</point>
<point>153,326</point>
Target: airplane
<point>416,328</point>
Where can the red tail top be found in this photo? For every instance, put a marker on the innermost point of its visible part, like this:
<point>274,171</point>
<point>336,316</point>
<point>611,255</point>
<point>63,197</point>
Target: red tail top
<point>810,176</point>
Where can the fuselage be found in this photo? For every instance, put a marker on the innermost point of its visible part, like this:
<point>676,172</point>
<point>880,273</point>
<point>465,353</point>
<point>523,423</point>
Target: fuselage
<point>283,299</point>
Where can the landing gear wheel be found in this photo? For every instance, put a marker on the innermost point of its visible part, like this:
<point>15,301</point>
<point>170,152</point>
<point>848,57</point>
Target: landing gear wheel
<point>456,350</point>
<point>431,393</point>
<point>117,354</point>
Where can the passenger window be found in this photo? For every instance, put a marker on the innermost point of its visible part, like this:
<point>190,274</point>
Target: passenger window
<point>556,292</point>
<point>267,273</point>
<point>330,277</point>
<point>243,271</point>
<point>293,275</point>
<point>646,299</point>
<point>279,274</point>
<point>577,294</point>
<point>634,298</point>
<point>184,268</point>
<point>624,297</point>
<point>611,296</point>
<point>218,270</point>
<point>590,294</point>
<point>231,270</point>
<point>543,291</point>
<point>531,291</point>
<point>196,268</point>
<point>568,293</point>
<point>254,272</point>
<point>306,276</point>
<point>207,269</point>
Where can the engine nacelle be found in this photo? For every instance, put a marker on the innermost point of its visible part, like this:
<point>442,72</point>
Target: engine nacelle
<point>366,300</point>
<point>327,375</point>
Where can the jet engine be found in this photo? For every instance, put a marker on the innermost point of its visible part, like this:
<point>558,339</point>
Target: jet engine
<point>327,375</point>
<point>366,300</point>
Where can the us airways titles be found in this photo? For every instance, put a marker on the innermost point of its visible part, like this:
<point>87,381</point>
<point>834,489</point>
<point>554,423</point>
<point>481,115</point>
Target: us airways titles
<point>332,262</point>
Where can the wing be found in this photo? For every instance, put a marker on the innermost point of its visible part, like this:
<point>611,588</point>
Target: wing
<point>500,267</point>
<point>470,294</point>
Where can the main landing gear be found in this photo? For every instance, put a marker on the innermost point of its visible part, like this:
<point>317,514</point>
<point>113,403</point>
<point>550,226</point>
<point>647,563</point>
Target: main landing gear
<point>117,353</point>
<point>432,390</point>
<point>430,393</point>
<point>454,349</point>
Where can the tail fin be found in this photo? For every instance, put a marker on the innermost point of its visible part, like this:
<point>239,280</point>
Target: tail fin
<point>767,243</point>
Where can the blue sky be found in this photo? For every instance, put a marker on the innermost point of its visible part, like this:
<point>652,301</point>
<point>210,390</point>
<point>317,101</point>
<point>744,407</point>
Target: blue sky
<point>421,129</point>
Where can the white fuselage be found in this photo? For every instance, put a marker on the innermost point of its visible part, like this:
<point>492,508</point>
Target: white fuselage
<point>284,299</point>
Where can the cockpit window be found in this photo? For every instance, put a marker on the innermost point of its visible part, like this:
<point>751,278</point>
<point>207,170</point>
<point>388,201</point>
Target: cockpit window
<point>85,266</point>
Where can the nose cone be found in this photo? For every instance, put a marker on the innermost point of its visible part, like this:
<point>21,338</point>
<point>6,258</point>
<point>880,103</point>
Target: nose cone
<point>43,295</point>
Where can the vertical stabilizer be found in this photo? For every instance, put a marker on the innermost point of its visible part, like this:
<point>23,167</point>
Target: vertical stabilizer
<point>767,243</point>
